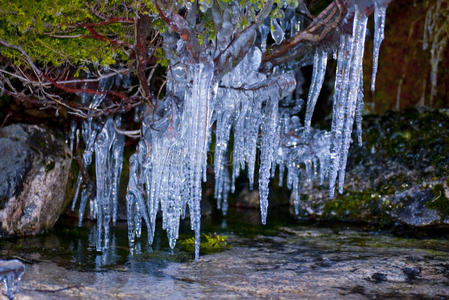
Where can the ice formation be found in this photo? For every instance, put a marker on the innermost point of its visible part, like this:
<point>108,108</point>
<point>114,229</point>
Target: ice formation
<point>319,70</point>
<point>346,96</point>
<point>10,273</point>
<point>434,34</point>
<point>277,33</point>
<point>380,12</point>
<point>254,110</point>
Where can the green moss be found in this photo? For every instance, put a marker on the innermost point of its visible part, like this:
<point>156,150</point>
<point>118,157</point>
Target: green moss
<point>364,206</point>
<point>415,139</point>
<point>210,243</point>
<point>440,202</point>
<point>388,189</point>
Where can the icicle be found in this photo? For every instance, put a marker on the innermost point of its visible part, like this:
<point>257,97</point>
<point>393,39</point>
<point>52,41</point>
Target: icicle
<point>268,146</point>
<point>252,124</point>
<point>264,31</point>
<point>319,70</point>
<point>349,70</point>
<point>296,192</point>
<point>379,27</point>
<point>11,272</point>
<point>117,162</point>
<point>135,202</point>
<point>354,89</point>
<point>103,177</point>
<point>238,162</point>
<point>73,126</point>
<point>343,63</point>
<point>170,163</point>
<point>77,190</point>
<point>137,114</point>
<point>359,112</point>
<point>196,116</point>
<point>224,122</point>
<point>276,32</point>
<point>427,27</point>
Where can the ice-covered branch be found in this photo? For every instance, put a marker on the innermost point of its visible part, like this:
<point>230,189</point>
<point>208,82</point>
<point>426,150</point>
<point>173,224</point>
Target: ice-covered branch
<point>224,82</point>
<point>325,28</point>
<point>179,25</point>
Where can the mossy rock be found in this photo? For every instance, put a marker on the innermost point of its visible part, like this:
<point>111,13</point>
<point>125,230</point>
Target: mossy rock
<point>397,176</point>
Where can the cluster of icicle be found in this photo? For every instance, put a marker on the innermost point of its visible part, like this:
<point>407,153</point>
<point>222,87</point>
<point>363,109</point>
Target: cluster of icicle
<point>170,162</point>
<point>100,137</point>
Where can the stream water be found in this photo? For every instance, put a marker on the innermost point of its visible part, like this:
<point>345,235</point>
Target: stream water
<point>283,259</point>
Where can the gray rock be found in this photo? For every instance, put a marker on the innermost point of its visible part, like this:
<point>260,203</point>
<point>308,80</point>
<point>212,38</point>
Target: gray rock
<point>415,210</point>
<point>34,166</point>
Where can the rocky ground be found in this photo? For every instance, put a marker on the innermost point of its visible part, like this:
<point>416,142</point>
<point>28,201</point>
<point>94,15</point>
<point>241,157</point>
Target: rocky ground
<point>297,262</point>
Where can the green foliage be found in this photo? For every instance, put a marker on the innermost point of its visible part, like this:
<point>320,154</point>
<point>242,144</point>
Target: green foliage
<point>210,243</point>
<point>161,58</point>
<point>52,32</point>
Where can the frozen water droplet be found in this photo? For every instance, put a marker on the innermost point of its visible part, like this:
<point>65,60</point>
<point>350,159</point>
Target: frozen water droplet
<point>276,32</point>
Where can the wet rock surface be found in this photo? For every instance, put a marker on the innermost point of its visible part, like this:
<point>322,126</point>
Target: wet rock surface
<point>278,262</point>
<point>399,176</point>
<point>34,165</point>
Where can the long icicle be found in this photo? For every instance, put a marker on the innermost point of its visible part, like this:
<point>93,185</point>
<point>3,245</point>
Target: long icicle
<point>359,29</point>
<point>319,70</point>
<point>379,28</point>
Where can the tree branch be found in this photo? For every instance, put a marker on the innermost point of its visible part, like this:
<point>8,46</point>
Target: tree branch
<point>100,37</point>
<point>179,25</point>
<point>141,32</point>
<point>326,26</point>
<point>87,91</point>
<point>27,57</point>
<point>125,105</point>
<point>240,45</point>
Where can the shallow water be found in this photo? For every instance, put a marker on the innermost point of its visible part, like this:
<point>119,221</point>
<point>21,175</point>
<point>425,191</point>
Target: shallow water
<point>280,260</point>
